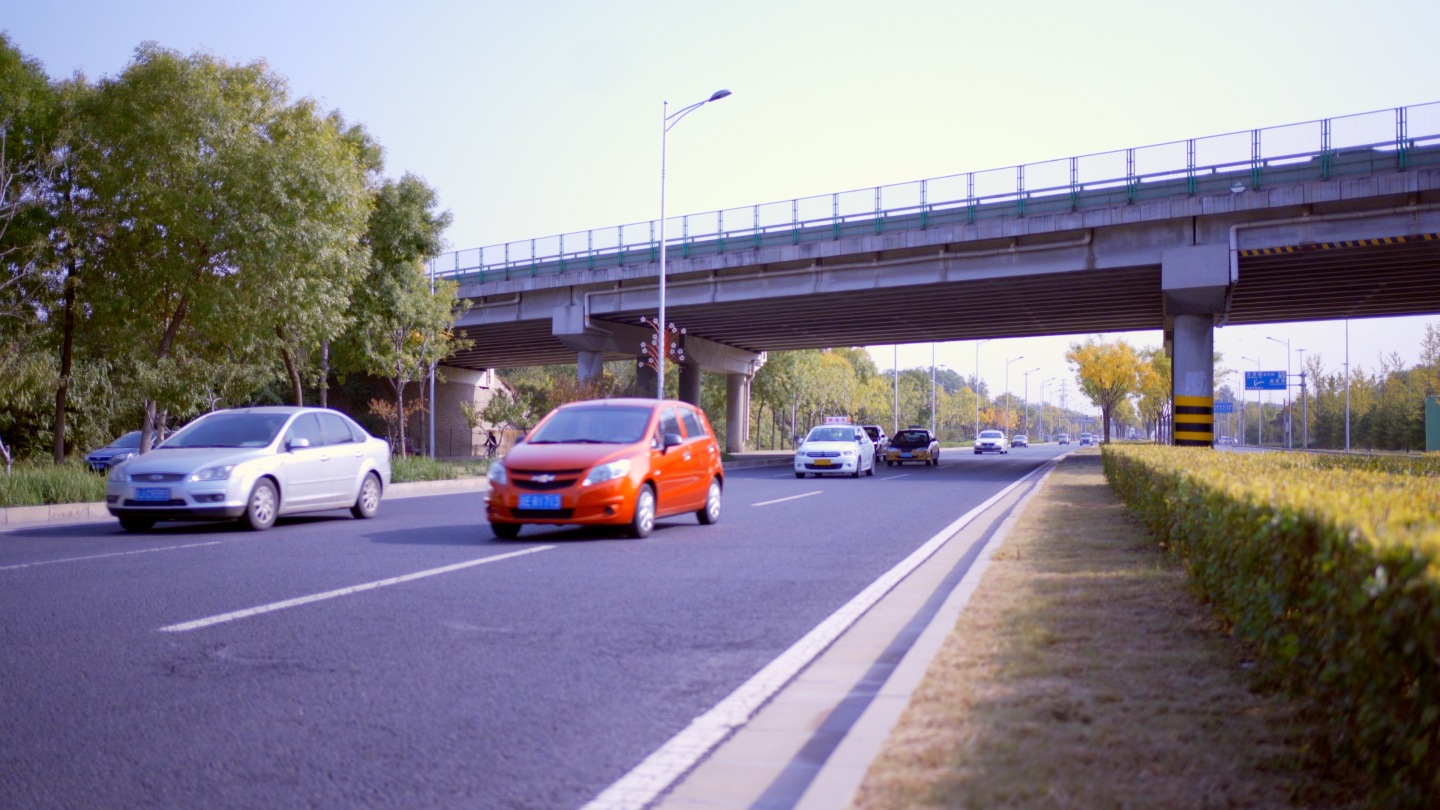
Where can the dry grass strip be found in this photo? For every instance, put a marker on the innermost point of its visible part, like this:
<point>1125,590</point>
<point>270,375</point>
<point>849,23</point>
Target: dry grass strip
<point>1085,674</point>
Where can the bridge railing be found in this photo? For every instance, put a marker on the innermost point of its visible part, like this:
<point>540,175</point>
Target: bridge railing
<point>1251,159</point>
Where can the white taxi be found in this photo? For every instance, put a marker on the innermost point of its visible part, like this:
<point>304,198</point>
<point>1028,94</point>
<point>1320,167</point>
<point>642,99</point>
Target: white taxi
<point>835,449</point>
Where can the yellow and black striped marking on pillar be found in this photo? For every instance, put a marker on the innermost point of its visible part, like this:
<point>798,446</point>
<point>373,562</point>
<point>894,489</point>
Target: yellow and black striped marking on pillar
<point>1194,421</point>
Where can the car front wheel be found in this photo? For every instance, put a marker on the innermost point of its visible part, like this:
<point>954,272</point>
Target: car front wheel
<point>505,531</point>
<point>644,521</point>
<point>137,524</point>
<point>263,506</point>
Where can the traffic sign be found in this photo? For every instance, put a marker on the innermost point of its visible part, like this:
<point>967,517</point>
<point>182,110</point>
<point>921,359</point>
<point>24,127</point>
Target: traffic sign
<point>1264,381</point>
<point>1224,407</point>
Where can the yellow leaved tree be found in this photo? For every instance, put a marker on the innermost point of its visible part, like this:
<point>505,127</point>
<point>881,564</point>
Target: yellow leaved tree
<point>1108,373</point>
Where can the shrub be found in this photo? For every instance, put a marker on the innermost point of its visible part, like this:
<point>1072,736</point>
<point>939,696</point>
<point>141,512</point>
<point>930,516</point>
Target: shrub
<point>1331,565</point>
<point>35,483</point>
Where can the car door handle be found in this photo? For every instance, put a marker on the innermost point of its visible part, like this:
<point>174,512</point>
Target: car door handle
<point>686,457</point>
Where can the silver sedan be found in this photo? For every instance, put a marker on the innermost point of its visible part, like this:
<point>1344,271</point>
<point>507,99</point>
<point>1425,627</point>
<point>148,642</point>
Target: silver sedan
<point>254,464</point>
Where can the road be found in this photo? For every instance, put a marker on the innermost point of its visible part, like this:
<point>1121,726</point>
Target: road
<point>414,660</point>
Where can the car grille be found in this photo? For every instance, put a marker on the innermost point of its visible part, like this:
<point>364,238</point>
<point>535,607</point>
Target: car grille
<point>156,478</point>
<point>172,502</point>
<point>543,514</point>
<point>823,453</point>
<point>552,481</point>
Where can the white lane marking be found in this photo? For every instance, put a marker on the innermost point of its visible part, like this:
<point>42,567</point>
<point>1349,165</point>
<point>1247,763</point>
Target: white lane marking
<point>791,498</point>
<point>900,475</point>
<point>646,781</point>
<point>305,600</point>
<point>103,556</point>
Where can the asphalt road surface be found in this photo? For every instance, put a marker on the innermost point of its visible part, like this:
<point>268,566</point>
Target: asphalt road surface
<point>413,660</point>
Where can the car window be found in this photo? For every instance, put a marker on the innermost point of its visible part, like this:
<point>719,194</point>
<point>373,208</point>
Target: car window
<point>222,429</point>
<point>912,436</point>
<point>594,425</point>
<point>873,433</point>
<point>991,434</point>
<point>131,439</point>
<point>336,431</point>
<point>832,434</point>
<point>307,427</point>
<point>693,428</point>
<point>669,422</point>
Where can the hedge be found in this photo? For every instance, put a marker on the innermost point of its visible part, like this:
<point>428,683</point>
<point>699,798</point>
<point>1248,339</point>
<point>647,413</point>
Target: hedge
<point>1331,566</point>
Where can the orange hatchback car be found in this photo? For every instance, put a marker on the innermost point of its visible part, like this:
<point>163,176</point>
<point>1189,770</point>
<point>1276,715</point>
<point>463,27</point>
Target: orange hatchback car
<point>609,462</point>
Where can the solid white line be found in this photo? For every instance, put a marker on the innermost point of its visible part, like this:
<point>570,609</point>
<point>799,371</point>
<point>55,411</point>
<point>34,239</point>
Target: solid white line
<point>102,556</point>
<point>900,475</point>
<point>305,600</point>
<point>791,498</point>
<point>680,753</point>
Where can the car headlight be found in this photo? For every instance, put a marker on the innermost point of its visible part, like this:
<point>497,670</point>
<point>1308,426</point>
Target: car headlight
<point>847,453</point>
<point>220,473</point>
<point>607,472</point>
<point>496,473</point>
<point>117,473</point>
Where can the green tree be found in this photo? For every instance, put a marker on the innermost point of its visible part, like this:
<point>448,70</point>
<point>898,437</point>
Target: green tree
<point>227,214</point>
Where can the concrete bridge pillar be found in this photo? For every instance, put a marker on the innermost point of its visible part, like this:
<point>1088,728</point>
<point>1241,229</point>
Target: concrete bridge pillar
<point>590,366</point>
<point>1196,281</point>
<point>1193,373</point>
<point>645,381</point>
<point>737,412</point>
<point>690,377</point>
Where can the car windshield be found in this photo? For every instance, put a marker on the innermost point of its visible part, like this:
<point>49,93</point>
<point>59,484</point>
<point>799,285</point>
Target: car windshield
<point>831,434</point>
<point>603,425</point>
<point>131,439</point>
<point>991,434</point>
<point>912,437</point>
<point>229,430</point>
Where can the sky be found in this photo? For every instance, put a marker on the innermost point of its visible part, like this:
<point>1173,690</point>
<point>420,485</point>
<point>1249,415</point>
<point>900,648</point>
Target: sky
<point>533,119</point>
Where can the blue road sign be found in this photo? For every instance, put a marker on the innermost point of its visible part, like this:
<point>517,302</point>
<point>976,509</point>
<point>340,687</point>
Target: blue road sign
<point>1224,407</point>
<point>1264,381</point>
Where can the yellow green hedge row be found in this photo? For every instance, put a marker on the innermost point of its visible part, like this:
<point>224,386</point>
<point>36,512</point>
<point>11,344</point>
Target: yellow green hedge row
<point>1331,565</point>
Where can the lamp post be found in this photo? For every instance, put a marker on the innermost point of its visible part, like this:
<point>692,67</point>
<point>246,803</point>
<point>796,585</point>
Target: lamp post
<point>1007,389</point>
<point>668,120</point>
<point>1027,396</point>
<point>1347,385</point>
<point>978,344</point>
<point>895,368</point>
<point>1289,426</point>
<point>932,388</point>
<point>1304,407</point>
<point>1043,402</point>
<point>1259,415</point>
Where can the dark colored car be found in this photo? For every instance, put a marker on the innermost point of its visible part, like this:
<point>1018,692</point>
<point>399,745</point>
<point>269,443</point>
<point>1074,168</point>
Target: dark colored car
<point>913,444</point>
<point>114,452</point>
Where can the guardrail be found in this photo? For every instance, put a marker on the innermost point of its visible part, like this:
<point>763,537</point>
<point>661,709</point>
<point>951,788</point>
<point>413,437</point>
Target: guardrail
<point>1355,144</point>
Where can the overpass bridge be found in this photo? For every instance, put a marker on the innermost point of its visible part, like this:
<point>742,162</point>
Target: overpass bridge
<point>1337,218</point>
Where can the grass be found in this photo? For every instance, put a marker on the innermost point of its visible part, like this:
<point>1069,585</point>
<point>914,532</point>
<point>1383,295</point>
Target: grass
<point>37,483</point>
<point>1085,673</point>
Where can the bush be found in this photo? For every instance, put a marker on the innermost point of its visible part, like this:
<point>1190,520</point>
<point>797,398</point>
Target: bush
<point>423,468</point>
<point>1331,565</point>
<point>36,483</point>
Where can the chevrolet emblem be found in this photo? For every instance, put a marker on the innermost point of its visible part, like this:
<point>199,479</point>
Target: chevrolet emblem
<point>542,478</point>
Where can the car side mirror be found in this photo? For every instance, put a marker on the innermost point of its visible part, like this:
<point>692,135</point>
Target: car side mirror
<point>671,440</point>
<point>297,444</point>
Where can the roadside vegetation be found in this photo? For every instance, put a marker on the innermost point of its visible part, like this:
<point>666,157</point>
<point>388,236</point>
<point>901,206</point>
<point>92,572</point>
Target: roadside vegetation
<point>1086,672</point>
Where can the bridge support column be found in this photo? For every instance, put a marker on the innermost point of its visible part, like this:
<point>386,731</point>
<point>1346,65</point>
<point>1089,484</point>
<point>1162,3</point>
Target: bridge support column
<point>690,383</point>
<point>1196,281</point>
<point>1194,379</point>
<point>589,366</point>
<point>737,412</point>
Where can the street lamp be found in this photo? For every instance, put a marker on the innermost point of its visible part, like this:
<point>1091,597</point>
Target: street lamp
<point>1043,402</point>
<point>932,388</point>
<point>978,344</point>
<point>1259,414</point>
<point>1007,389</point>
<point>1027,396</point>
<point>668,120</point>
<point>1289,428</point>
<point>1304,407</point>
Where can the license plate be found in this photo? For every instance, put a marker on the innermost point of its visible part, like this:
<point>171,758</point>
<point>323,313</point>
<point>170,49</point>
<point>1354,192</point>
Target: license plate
<point>152,494</point>
<point>822,462</point>
<point>907,455</point>
<point>539,501</point>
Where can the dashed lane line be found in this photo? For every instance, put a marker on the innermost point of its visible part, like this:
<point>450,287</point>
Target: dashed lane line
<point>305,600</point>
<point>103,556</point>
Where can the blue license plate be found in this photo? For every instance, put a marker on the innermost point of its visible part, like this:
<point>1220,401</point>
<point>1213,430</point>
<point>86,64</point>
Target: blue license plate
<point>907,455</point>
<point>539,501</point>
<point>152,494</point>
